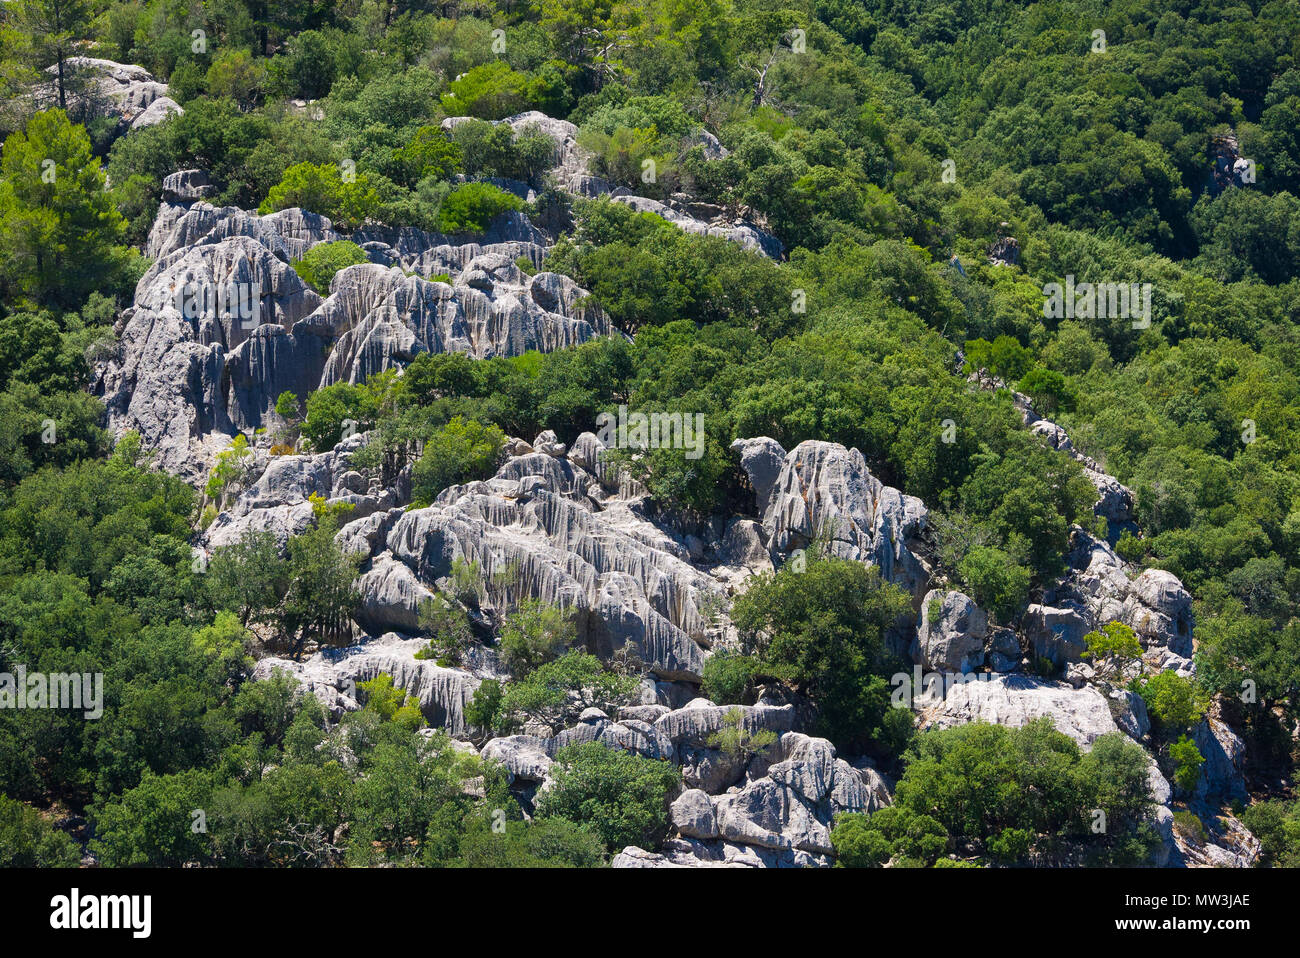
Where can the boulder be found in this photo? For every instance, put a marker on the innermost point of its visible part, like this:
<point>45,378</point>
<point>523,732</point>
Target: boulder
<point>951,634</point>
<point>825,490</point>
<point>1055,634</point>
<point>1015,700</point>
<point>693,815</point>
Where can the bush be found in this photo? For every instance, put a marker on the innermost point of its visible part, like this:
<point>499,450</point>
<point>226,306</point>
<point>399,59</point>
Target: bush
<point>540,843</point>
<point>622,797</point>
<point>461,451</point>
<point>471,207</point>
<point>1187,763</point>
<point>29,841</point>
<point>321,188</point>
<point>996,581</point>
<point>1174,702</point>
<point>534,634</point>
<point>319,264</point>
<point>822,630</point>
<point>728,678</point>
<point>1277,826</point>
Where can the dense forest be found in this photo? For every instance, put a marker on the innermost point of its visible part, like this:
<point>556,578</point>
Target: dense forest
<point>928,170</point>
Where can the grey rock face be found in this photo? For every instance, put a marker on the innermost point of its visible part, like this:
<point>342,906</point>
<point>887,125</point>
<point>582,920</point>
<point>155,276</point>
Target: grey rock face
<point>823,489</point>
<point>524,756</point>
<point>333,676</point>
<point>186,186</point>
<point>1130,713</point>
<point>1154,604</point>
<point>762,459</point>
<point>108,88</point>
<point>1055,634</point>
<point>952,640</point>
<point>693,815</point>
<point>700,719</point>
<point>628,583</point>
<point>1015,700</point>
<point>186,378</point>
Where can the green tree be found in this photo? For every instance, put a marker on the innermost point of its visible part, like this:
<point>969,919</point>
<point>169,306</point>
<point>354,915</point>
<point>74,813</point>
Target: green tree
<point>56,28</point>
<point>534,634</point>
<point>319,264</point>
<point>622,797</point>
<point>27,840</point>
<point>821,631</point>
<point>59,230</point>
<point>461,451</point>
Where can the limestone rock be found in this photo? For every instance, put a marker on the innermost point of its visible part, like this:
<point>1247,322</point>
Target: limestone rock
<point>1055,634</point>
<point>1015,700</point>
<point>693,815</point>
<point>826,490</point>
<point>950,637</point>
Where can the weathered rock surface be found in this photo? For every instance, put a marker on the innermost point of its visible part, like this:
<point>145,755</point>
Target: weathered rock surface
<point>1015,700</point>
<point>950,636</point>
<point>825,490</point>
<point>106,88</point>
<point>221,324</point>
<point>334,674</point>
<point>629,583</point>
<point>1154,604</point>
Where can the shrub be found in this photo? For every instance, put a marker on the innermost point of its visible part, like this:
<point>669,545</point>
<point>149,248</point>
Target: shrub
<point>822,630</point>
<point>996,581</point>
<point>459,452</point>
<point>1187,763</point>
<point>319,264</point>
<point>622,797</point>
<point>470,207</point>
<point>1174,702</point>
<point>540,843</point>
<point>321,188</point>
<point>534,634</point>
<point>29,841</point>
<point>728,678</point>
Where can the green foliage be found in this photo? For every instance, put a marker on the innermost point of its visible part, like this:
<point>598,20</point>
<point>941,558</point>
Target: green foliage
<point>1174,702</point>
<point>821,630</point>
<point>449,630</point>
<point>728,678</point>
<point>1115,641</point>
<point>1025,791</point>
<point>997,582</point>
<point>28,840</point>
<point>540,843</point>
<point>622,796</point>
<point>1277,826</point>
<point>392,704</point>
<point>347,199</point>
<point>1187,763</point>
<point>484,710</point>
<point>471,207</point>
<point>737,740</point>
<point>459,452</point>
<point>59,230</point>
<point>319,264</point>
<point>556,693</point>
<point>534,634</point>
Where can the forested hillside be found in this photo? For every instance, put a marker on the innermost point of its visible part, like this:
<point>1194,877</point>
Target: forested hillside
<point>328,334</point>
